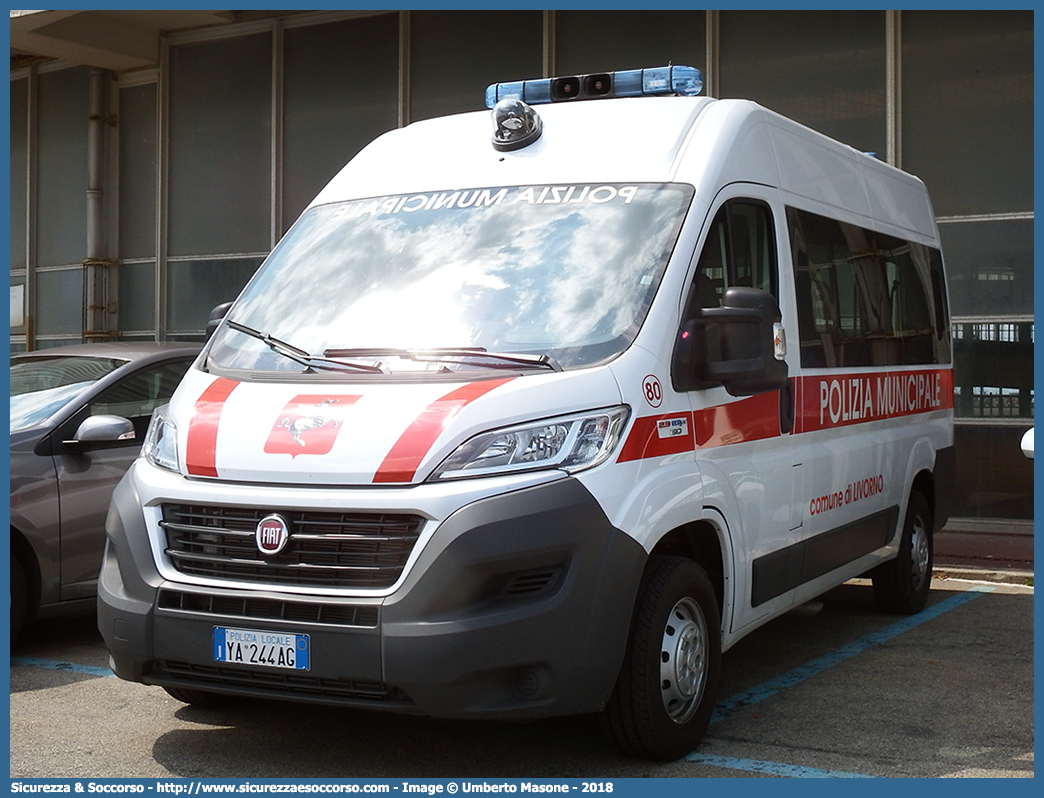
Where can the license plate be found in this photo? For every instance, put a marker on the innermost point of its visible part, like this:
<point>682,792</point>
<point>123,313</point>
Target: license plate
<point>279,650</point>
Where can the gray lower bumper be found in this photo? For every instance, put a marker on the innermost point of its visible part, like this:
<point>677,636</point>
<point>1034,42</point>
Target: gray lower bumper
<point>518,607</point>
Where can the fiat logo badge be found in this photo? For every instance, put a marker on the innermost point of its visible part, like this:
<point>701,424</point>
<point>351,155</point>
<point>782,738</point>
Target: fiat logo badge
<point>272,534</point>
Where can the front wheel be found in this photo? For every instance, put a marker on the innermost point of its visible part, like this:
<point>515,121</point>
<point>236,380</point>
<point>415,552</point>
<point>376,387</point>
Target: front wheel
<point>901,585</point>
<point>663,699</point>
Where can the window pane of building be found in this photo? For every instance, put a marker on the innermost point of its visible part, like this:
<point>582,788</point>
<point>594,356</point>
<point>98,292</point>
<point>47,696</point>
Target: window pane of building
<point>197,287</point>
<point>136,308</point>
<point>990,267</point>
<point>993,370</point>
<point>967,111</point>
<point>606,41</point>
<point>57,342</point>
<point>454,55</point>
<point>18,308</point>
<point>61,200</point>
<point>220,146</point>
<point>19,116</point>
<point>825,69</point>
<point>340,92</point>
<point>137,213</point>
<point>60,309</point>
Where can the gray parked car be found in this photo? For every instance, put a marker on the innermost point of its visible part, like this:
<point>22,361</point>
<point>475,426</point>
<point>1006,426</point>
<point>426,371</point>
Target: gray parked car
<point>78,419</point>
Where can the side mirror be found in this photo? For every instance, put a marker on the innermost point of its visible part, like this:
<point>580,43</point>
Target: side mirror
<point>738,345</point>
<point>216,315</point>
<point>102,430</point>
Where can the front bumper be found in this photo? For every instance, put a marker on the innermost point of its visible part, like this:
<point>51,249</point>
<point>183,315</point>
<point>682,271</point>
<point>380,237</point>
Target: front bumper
<point>518,607</point>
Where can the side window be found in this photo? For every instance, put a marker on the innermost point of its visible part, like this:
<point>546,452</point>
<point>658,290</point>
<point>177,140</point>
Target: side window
<point>753,245</point>
<point>740,250</point>
<point>865,298</point>
<point>137,396</point>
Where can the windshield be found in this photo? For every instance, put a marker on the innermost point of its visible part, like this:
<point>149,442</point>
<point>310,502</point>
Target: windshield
<point>565,273</point>
<point>41,386</point>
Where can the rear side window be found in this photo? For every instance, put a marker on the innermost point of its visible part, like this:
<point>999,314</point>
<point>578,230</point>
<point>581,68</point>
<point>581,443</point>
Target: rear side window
<point>865,298</point>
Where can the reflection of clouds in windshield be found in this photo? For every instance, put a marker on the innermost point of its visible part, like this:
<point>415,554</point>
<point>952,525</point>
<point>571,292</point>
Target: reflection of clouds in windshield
<point>599,290</point>
<point>502,277</point>
<point>368,323</point>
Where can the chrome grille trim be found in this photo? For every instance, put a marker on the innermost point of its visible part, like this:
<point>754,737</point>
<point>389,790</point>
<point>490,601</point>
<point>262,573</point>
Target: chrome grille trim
<point>327,549</point>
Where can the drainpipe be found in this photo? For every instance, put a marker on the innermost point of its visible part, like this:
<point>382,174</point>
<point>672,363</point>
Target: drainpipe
<point>96,267</point>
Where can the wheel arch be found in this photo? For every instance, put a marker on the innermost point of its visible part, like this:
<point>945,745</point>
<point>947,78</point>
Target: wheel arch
<point>22,549</point>
<point>700,542</point>
<point>924,483</point>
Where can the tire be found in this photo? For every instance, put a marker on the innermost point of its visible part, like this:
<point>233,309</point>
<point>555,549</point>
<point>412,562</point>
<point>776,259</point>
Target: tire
<point>201,698</point>
<point>19,597</point>
<point>902,585</point>
<point>665,693</point>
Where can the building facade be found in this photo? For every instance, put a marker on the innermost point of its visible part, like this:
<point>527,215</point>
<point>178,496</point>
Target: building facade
<point>157,156</point>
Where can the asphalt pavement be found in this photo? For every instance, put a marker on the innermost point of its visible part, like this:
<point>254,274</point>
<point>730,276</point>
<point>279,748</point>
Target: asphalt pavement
<point>994,557</point>
<point>834,689</point>
<point>818,709</point>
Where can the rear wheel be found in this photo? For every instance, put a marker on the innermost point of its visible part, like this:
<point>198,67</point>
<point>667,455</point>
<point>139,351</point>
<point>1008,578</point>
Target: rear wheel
<point>201,698</point>
<point>901,585</point>
<point>667,687</point>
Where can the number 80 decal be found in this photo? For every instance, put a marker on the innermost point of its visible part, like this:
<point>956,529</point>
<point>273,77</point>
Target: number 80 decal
<point>652,391</point>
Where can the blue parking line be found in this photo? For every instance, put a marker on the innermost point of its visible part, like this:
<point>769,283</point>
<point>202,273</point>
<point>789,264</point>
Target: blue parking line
<point>807,671</point>
<point>729,706</point>
<point>71,667</point>
<point>770,768</point>
<point>816,666</point>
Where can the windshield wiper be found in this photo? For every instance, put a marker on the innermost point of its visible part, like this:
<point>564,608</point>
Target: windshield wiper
<point>467,354</point>
<point>309,361</point>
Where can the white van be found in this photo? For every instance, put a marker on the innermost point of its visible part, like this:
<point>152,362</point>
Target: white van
<point>536,412</point>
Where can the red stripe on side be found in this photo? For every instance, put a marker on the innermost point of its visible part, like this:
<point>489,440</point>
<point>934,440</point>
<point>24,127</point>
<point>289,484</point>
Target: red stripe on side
<point>658,436</point>
<point>839,400</point>
<point>201,442</point>
<point>405,456</point>
<point>823,402</point>
<point>752,419</point>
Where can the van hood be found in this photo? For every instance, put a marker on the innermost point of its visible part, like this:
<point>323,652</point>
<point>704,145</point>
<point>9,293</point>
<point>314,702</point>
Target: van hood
<point>359,433</point>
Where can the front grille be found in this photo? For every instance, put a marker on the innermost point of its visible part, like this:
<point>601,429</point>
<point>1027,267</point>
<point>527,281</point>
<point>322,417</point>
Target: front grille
<point>270,609</point>
<point>290,685</point>
<point>326,549</point>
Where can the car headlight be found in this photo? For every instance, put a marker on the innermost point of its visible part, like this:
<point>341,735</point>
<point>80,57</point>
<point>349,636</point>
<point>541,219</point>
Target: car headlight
<point>161,441</point>
<point>570,443</point>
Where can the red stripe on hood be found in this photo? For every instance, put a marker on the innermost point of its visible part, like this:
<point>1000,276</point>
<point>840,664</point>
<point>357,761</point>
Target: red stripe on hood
<point>201,443</point>
<point>405,456</point>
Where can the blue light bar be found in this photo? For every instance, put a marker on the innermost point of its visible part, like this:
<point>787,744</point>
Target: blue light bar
<point>683,80</point>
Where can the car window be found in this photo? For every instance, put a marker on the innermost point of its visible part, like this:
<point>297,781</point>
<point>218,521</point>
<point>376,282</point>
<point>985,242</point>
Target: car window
<point>740,250</point>
<point>137,396</point>
<point>40,386</point>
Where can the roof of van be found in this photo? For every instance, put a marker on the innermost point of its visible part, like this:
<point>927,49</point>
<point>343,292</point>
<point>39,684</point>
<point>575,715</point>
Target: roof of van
<point>698,140</point>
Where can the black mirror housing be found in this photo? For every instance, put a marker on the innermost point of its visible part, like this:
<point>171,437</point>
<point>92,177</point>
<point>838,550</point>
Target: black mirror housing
<point>216,315</point>
<point>732,345</point>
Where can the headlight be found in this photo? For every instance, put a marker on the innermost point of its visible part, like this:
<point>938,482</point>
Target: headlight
<point>161,441</point>
<point>571,443</point>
